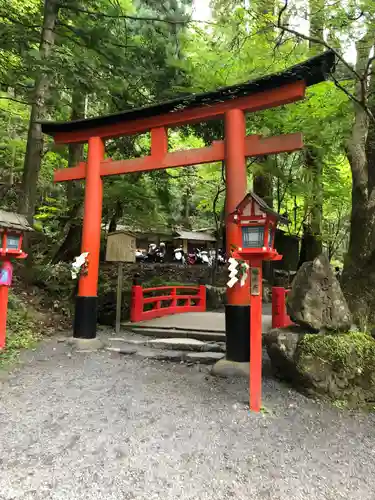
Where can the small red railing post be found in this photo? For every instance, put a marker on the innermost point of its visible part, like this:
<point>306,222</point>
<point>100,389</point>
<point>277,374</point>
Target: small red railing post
<point>280,318</point>
<point>202,298</point>
<point>173,297</point>
<point>136,308</point>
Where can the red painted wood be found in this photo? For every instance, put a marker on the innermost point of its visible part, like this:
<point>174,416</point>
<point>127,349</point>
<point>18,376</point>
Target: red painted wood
<point>139,300</point>
<point>280,317</point>
<point>236,187</point>
<point>255,384</point>
<point>254,146</point>
<point>4,291</point>
<point>256,102</point>
<point>92,218</point>
<point>158,288</point>
<point>159,143</point>
<point>136,307</point>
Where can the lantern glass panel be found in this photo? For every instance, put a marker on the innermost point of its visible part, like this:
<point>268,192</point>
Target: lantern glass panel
<point>253,236</point>
<point>13,241</point>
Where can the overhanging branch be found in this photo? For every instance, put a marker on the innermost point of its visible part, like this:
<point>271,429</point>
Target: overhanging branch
<point>134,18</point>
<point>314,40</point>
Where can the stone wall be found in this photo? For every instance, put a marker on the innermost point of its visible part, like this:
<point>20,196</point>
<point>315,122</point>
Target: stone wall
<point>150,275</point>
<point>159,274</point>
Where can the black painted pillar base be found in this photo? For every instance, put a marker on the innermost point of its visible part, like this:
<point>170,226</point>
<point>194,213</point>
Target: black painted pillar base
<point>85,318</point>
<point>237,331</point>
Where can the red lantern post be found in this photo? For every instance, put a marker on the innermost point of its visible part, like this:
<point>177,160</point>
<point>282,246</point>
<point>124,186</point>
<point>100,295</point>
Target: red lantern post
<point>257,223</point>
<point>12,227</point>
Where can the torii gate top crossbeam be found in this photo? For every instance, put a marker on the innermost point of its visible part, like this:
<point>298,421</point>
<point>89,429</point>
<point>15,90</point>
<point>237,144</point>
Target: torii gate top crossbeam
<point>262,93</point>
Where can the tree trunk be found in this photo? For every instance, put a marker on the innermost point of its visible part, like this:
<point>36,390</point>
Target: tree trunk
<point>359,269</point>
<point>262,186</point>
<point>262,181</point>
<point>74,189</point>
<point>311,244</point>
<point>71,243</point>
<point>361,242</point>
<point>34,148</point>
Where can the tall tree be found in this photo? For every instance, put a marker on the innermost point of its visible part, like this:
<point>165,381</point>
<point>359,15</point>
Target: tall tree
<point>354,21</point>
<point>34,149</point>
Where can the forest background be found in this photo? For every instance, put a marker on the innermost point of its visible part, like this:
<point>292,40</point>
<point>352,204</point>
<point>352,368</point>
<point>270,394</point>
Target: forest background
<point>70,59</point>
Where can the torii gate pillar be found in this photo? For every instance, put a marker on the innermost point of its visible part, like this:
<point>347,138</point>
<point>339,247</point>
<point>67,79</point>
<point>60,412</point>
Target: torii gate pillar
<point>86,301</point>
<point>237,310</point>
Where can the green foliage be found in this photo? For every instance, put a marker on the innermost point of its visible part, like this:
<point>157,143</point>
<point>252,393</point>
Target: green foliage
<point>22,331</point>
<point>349,352</point>
<point>109,56</point>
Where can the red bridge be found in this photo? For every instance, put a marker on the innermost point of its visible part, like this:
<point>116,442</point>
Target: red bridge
<point>150,303</point>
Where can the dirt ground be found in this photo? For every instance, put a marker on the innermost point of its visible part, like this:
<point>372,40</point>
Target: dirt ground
<point>104,426</point>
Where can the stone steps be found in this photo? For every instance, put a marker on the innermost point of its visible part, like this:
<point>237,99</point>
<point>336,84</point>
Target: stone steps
<point>159,332</point>
<point>167,349</point>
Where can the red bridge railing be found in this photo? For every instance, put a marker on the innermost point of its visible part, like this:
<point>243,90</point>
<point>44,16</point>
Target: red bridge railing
<point>280,317</point>
<point>150,303</point>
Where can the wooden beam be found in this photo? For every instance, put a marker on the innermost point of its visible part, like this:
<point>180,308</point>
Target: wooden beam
<point>159,142</point>
<point>254,146</point>
<point>255,102</point>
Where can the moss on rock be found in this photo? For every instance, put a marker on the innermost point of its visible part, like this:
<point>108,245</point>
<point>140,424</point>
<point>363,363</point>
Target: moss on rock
<point>338,366</point>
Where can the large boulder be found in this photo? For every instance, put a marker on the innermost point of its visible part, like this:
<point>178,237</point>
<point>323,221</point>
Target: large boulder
<point>281,344</point>
<point>316,300</point>
<point>339,367</point>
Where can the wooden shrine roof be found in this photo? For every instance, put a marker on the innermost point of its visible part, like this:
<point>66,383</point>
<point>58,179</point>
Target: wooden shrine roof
<point>312,71</point>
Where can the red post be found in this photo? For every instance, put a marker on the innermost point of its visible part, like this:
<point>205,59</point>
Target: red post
<point>86,302</point>
<point>174,297</point>
<point>280,318</point>
<point>136,308</point>
<point>236,185</point>
<point>237,310</point>
<point>202,298</point>
<point>4,290</point>
<point>255,382</point>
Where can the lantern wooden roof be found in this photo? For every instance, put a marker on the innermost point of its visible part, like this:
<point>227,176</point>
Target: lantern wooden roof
<point>12,220</point>
<point>263,206</point>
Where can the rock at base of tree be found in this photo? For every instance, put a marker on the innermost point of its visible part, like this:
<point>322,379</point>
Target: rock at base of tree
<point>316,300</point>
<point>281,344</point>
<point>216,297</point>
<point>339,367</point>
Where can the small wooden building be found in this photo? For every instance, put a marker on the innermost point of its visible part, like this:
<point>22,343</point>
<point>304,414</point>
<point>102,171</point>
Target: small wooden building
<point>189,240</point>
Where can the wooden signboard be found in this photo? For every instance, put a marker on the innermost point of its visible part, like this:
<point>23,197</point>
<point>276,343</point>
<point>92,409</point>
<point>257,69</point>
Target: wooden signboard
<point>121,248</point>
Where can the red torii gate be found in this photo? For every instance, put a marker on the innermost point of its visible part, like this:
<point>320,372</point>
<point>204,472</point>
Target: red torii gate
<point>230,104</point>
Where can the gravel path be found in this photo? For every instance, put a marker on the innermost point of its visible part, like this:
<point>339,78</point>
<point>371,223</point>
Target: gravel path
<point>102,426</point>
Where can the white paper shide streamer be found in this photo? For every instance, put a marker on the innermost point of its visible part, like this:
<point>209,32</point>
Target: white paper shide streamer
<point>233,272</point>
<point>77,265</point>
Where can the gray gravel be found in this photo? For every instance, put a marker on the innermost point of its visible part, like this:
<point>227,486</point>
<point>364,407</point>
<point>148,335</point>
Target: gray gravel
<point>105,426</point>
